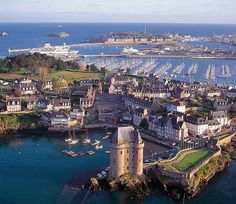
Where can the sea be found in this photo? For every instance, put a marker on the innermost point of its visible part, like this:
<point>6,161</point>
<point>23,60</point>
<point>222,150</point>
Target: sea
<point>33,169</point>
<point>30,35</point>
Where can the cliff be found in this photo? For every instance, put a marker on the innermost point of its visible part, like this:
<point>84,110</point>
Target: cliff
<point>206,173</point>
<point>192,186</point>
<point>12,123</point>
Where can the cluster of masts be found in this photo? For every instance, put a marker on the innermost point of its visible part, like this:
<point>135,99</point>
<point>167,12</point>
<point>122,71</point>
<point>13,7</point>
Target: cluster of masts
<point>193,69</point>
<point>139,66</point>
<point>210,73</point>
<point>225,71</point>
<point>179,69</point>
<point>163,69</point>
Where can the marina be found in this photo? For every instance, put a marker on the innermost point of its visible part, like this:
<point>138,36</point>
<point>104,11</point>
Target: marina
<point>54,165</point>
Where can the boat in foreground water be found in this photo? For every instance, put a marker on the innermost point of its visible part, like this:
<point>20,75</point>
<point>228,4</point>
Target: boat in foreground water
<point>98,147</point>
<point>73,141</point>
<point>105,137</point>
<point>70,153</point>
<point>95,143</point>
<point>86,141</point>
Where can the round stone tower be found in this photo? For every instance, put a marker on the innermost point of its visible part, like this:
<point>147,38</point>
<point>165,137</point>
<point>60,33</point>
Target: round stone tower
<point>126,152</point>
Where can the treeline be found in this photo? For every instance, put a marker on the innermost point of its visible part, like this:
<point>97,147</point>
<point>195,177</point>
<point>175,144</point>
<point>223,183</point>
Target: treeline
<point>31,62</point>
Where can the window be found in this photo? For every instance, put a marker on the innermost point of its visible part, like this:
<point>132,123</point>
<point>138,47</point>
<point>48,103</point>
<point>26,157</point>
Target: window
<point>127,151</point>
<point>120,152</point>
<point>127,159</point>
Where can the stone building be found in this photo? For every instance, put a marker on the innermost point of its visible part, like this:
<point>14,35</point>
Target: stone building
<point>126,152</point>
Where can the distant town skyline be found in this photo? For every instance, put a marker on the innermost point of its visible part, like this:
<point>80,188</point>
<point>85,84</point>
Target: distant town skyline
<point>129,11</point>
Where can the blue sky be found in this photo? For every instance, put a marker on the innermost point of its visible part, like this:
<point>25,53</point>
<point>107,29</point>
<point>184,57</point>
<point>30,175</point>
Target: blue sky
<point>150,11</point>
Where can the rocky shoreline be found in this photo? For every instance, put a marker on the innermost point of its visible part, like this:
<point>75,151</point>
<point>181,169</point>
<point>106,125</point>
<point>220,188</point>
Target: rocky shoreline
<point>139,187</point>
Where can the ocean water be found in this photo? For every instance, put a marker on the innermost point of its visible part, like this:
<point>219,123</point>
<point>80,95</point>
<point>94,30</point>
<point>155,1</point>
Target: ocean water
<point>28,35</point>
<point>35,35</point>
<point>33,170</point>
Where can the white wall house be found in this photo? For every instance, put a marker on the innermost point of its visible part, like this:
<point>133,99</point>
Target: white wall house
<point>60,119</point>
<point>13,105</point>
<point>197,126</point>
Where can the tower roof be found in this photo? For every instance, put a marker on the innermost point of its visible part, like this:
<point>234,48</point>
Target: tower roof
<point>126,135</point>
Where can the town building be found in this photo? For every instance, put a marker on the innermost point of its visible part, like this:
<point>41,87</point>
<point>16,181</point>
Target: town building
<point>126,152</point>
<point>13,104</point>
<point>197,126</point>
<point>25,80</point>
<point>133,103</point>
<point>86,102</point>
<point>178,106</point>
<point>28,88</point>
<point>46,85</point>
<point>173,127</point>
<point>221,117</point>
<point>60,119</point>
<point>77,112</point>
<point>44,104</point>
<point>138,115</point>
<point>61,104</point>
<point>221,104</point>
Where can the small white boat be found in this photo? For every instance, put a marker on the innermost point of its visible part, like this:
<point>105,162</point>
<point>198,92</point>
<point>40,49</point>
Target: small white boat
<point>107,169</point>
<point>99,147</point>
<point>96,142</point>
<point>74,141</point>
<point>105,137</point>
<point>86,141</point>
<point>108,152</point>
<point>68,139</point>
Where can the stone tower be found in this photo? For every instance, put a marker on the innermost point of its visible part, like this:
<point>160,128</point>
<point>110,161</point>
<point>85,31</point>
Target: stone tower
<point>126,152</point>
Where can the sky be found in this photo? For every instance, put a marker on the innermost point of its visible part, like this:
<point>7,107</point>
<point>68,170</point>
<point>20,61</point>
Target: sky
<point>143,11</point>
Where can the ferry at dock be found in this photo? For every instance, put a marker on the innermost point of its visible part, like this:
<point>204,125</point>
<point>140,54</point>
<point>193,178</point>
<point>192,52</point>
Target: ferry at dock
<point>61,52</point>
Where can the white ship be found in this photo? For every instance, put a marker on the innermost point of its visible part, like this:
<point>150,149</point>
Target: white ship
<point>61,52</point>
<point>129,51</point>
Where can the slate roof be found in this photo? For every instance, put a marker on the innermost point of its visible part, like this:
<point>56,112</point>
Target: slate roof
<point>126,135</point>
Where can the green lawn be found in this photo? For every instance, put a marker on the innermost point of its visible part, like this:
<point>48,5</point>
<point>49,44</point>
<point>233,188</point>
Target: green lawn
<point>192,159</point>
<point>69,75</point>
<point>77,75</point>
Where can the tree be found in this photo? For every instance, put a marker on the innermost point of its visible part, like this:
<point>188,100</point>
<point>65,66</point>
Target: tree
<point>59,83</point>
<point>144,124</point>
<point>42,72</point>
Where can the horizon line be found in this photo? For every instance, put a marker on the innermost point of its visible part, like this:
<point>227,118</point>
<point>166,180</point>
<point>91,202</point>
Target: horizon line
<point>37,22</point>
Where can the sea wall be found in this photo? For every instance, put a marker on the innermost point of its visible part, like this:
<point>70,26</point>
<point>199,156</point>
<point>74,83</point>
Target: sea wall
<point>226,140</point>
<point>196,179</point>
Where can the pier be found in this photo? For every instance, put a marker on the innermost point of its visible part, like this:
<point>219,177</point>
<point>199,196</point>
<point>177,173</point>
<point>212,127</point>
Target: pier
<point>177,56</point>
